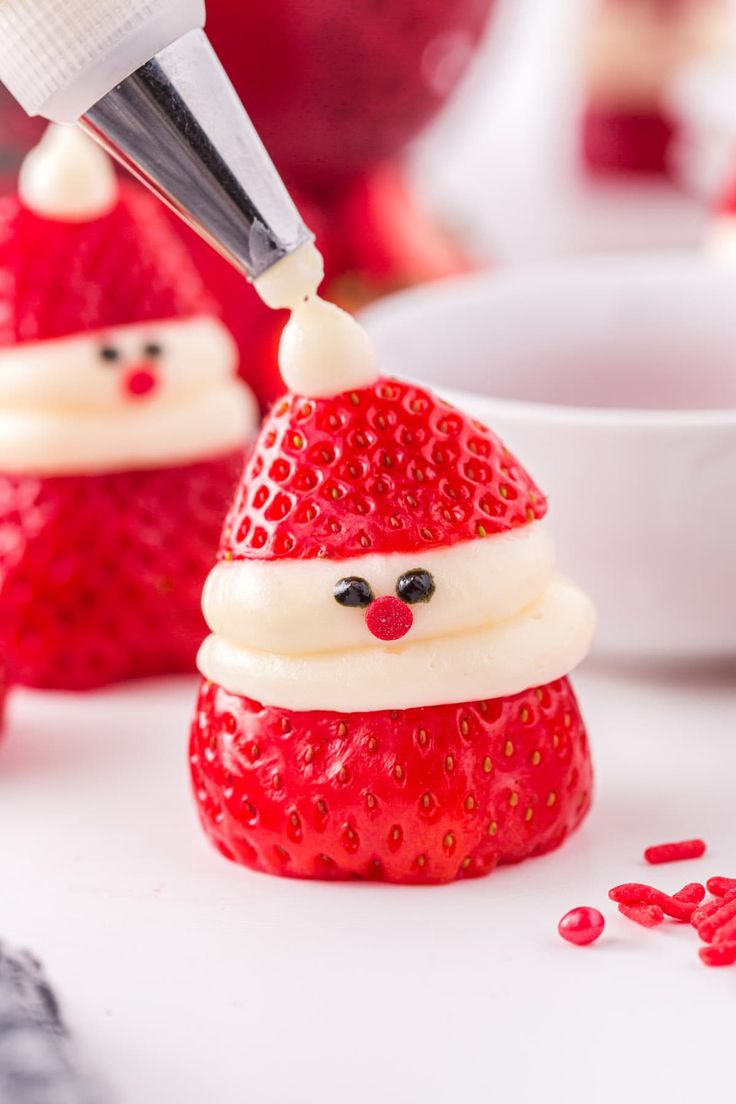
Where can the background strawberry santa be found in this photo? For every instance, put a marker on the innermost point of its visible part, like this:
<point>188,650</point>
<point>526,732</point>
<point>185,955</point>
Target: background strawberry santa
<point>385,687</point>
<point>122,427</point>
<point>634,51</point>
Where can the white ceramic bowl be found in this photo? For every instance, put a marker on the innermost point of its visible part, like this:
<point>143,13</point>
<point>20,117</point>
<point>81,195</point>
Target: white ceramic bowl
<point>614,382</point>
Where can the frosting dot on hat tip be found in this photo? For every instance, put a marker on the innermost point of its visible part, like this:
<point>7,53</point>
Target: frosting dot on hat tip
<point>323,351</point>
<point>67,177</point>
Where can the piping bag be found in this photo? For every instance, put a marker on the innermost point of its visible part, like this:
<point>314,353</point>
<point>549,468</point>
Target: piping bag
<point>141,77</point>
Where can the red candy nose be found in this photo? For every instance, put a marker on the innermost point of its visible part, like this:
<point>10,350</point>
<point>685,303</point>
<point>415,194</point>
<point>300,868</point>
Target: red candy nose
<point>389,618</point>
<point>140,380</point>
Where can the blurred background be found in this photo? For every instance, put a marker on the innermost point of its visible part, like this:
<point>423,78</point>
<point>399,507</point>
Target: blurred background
<point>426,137</point>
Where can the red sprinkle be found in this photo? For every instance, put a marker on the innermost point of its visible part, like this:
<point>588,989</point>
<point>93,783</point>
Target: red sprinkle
<point>724,954</point>
<point>719,887</point>
<point>726,933</point>
<point>693,893</point>
<point>581,926</point>
<point>675,852</point>
<point>722,916</point>
<point>649,916</point>
<point>703,912</point>
<point>634,893</point>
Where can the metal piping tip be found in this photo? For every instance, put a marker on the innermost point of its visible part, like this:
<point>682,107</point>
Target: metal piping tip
<point>178,125</point>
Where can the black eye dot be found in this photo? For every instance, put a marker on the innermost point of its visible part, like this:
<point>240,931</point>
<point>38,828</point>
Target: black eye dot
<point>416,585</point>
<point>152,349</point>
<point>109,353</point>
<point>353,592</point>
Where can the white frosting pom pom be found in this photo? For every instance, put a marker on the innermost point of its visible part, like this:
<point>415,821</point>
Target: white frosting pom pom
<point>324,351</point>
<point>68,177</point>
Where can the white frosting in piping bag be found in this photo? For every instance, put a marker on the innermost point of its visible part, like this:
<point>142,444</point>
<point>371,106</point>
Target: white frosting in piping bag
<point>292,279</point>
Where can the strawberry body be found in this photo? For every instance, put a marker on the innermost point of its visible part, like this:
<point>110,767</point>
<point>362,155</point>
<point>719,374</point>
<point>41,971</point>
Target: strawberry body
<point>419,795</point>
<point>101,575</point>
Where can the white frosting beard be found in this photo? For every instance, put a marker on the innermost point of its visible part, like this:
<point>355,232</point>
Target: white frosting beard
<point>64,409</point>
<point>500,622</point>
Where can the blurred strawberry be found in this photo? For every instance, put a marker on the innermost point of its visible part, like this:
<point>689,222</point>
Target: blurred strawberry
<point>388,240</point>
<point>101,575</point>
<point>336,88</point>
<point>17,134</point>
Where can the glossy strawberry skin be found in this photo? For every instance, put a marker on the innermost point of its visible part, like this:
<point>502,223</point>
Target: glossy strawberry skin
<point>101,575</point>
<point>415,796</point>
<point>387,468</point>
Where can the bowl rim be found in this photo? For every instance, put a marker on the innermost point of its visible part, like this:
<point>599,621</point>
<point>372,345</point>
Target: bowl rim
<point>668,264</point>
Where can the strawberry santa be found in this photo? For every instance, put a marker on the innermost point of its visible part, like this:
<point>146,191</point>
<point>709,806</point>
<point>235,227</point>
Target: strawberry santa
<point>122,427</point>
<point>385,688</point>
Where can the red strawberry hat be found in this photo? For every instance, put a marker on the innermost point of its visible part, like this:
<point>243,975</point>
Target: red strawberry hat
<point>81,252</point>
<point>350,464</point>
<point>386,468</point>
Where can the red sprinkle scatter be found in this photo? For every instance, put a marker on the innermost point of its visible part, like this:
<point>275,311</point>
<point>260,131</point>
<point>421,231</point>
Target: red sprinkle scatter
<point>723,954</point>
<point>581,926</point>
<point>714,920</point>
<point>719,887</point>
<point>649,916</point>
<point>634,893</point>
<point>675,852</point>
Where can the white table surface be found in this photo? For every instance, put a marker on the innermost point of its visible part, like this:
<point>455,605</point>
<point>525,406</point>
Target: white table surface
<point>188,980</point>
